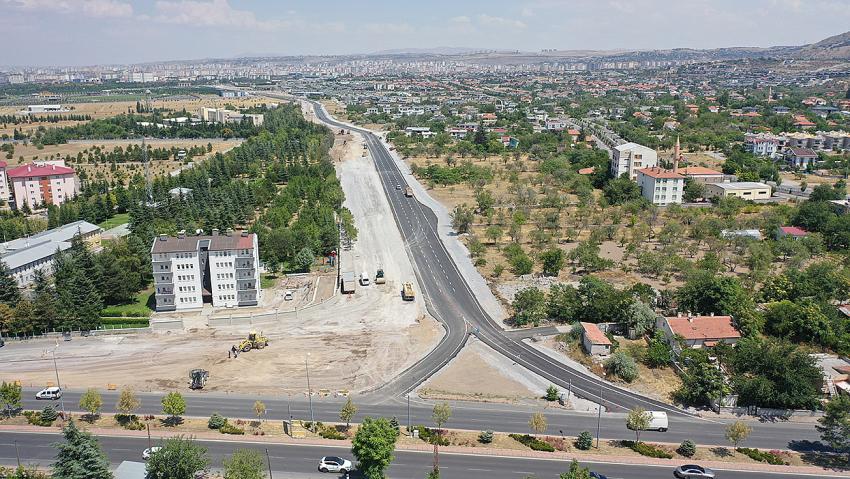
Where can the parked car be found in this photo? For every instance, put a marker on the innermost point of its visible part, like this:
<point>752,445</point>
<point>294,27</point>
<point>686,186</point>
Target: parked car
<point>334,464</point>
<point>288,295</point>
<point>52,393</point>
<point>693,471</point>
<point>596,475</point>
<point>146,454</point>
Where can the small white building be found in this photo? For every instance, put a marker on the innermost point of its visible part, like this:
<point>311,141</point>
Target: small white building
<point>661,187</point>
<point>594,340</point>
<point>747,190</point>
<point>631,157</point>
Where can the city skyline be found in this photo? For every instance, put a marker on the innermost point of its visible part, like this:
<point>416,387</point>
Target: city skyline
<point>90,32</point>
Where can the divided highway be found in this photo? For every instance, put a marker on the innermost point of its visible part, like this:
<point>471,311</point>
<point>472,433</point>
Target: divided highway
<point>452,302</point>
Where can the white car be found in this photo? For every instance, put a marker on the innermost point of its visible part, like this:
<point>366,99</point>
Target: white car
<point>288,295</point>
<point>334,464</point>
<point>364,279</point>
<point>52,393</point>
<point>146,454</point>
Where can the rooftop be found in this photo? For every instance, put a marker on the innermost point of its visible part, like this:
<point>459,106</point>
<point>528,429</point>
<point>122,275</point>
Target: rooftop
<point>698,170</point>
<point>23,251</point>
<point>703,327</point>
<point>793,231</point>
<point>186,243</point>
<point>656,172</point>
<point>594,334</point>
<point>24,171</point>
<point>741,185</point>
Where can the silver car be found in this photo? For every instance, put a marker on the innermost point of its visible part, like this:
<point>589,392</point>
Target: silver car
<point>334,464</point>
<point>692,471</point>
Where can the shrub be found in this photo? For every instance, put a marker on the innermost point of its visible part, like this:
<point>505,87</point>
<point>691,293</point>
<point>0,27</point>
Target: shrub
<point>584,441</point>
<point>231,429</point>
<point>486,437</point>
<point>430,436</point>
<point>647,450</point>
<point>134,425</point>
<point>687,448</point>
<point>331,433</point>
<point>217,421</point>
<point>622,366</point>
<point>762,456</point>
<point>49,414</point>
<point>34,418</point>
<point>552,393</point>
<point>532,442</point>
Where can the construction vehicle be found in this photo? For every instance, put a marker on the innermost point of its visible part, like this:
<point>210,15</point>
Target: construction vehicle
<point>379,277</point>
<point>408,192</point>
<point>407,292</point>
<point>347,282</point>
<point>253,341</point>
<point>198,378</point>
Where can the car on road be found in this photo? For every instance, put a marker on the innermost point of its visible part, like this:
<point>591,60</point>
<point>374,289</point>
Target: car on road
<point>596,475</point>
<point>146,454</point>
<point>52,393</point>
<point>693,471</point>
<point>398,187</point>
<point>334,464</point>
<point>288,295</point>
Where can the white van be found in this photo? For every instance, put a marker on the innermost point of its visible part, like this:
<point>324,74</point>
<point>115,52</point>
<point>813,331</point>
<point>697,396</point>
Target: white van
<point>657,421</point>
<point>49,393</point>
<point>364,279</point>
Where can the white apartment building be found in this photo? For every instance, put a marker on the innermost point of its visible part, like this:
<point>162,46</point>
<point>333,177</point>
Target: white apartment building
<point>661,187</point>
<point>222,269</point>
<point>631,157</point>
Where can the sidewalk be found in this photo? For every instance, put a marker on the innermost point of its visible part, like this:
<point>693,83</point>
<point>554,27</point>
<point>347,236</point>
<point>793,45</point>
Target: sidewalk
<point>455,450</point>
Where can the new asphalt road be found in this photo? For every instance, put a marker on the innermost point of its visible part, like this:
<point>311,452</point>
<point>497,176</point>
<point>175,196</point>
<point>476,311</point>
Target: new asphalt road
<point>297,462</point>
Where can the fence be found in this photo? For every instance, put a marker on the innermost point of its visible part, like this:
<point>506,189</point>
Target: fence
<point>767,412</point>
<point>102,331</point>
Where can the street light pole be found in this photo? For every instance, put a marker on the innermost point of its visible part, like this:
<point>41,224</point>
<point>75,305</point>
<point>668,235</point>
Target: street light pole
<point>58,384</point>
<point>599,416</point>
<point>409,431</point>
<point>269,461</point>
<point>309,391</point>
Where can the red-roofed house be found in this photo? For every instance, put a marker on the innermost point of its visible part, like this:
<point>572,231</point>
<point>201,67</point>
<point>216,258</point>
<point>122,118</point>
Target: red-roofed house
<point>792,231</point>
<point>594,340</point>
<point>698,331</point>
<point>574,134</point>
<point>43,183</point>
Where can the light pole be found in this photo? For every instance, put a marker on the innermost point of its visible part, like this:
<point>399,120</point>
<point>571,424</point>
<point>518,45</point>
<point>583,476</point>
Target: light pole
<point>58,384</point>
<point>599,416</point>
<point>309,391</point>
<point>409,431</point>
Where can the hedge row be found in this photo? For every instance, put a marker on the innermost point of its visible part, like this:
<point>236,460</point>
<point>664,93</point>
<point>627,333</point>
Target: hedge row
<point>532,442</point>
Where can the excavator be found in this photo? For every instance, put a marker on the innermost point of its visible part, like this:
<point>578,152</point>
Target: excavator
<point>198,378</point>
<point>253,341</point>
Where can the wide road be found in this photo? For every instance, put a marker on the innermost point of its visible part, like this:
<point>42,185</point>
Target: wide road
<point>296,462</point>
<point>452,302</point>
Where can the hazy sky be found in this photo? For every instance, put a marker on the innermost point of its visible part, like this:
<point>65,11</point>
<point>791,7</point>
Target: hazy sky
<point>73,32</point>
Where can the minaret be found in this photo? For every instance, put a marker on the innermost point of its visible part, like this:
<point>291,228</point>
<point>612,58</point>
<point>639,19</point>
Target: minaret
<point>677,153</point>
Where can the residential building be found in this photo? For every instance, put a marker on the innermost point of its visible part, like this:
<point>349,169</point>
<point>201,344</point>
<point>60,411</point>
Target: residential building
<point>222,115</point>
<point>801,158</point>
<point>594,340</point>
<point>42,183</point>
<point>628,158</point>
<point>24,256</point>
<point>556,124</point>
<point>697,331</point>
<point>701,174</point>
<point>748,190</point>
<point>423,131</point>
<point>659,186</point>
<point>749,233</point>
<point>221,269</point>
<point>4,183</point>
<point>791,232</point>
<point>763,144</point>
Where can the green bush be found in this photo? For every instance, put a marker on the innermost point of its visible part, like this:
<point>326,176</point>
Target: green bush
<point>486,437</point>
<point>49,413</point>
<point>331,433</point>
<point>217,421</point>
<point>430,436</point>
<point>584,441</point>
<point>532,442</point>
<point>231,429</point>
<point>647,450</point>
<point>623,366</point>
<point>552,393</point>
<point>762,456</point>
<point>687,448</point>
<point>34,418</point>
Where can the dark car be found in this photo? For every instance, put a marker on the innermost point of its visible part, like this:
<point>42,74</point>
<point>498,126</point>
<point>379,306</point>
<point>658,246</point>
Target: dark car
<point>596,475</point>
<point>692,471</point>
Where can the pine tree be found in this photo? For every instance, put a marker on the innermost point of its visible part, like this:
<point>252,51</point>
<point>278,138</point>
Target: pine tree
<point>80,456</point>
<point>45,302</point>
<point>10,294</point>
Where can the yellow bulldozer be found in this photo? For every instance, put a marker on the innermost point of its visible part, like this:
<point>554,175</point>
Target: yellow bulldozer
<point>253,341</point>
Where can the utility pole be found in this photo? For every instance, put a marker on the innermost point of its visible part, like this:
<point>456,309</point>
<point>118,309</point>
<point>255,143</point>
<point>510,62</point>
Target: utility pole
<point>269,461</point>
<point>409,430</point>
<point>58,384</point>
<point>309,391</point>
<point>599,416</point>
<point>149,435</point>
<point>17,454</point>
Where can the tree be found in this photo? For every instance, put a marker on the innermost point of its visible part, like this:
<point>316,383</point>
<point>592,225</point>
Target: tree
<point>638,420</point>
<point>347,412</point>
<point>259,409</point>
<point>484,199</point>
<point>552,393</point>
<point>622,365</point>
<point>584,441</point>
<point>174,405</point>
<point>44,302</point>
<point>441,414</point>
<point>529,306</point>
<point>373,446</point>
<point>693,190</point>
<point>303,260</point>
<point>10,397</point>
<point>128,403</point>
<point>10,294</point>
<point>179,458</point>
<point>702,383</point>
<point>91,401</point>
<point>621,190</point>
<point>563,304</point>
<point>244,464</point>
<point>537,423</point>
<point>494,233</point>
<point>658,352</point>
<point>640,319</point>
<point>834,426</point>
<point>576,472</point>
<point>737,432</point>
<point>552,261</point>
<point>462,217</point>
<point>80,456</point>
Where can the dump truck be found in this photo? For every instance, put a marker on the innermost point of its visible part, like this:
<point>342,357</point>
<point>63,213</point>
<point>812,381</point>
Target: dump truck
<point>347,282</point>
<point>408,192</point>
<point>253,341</point>
<point>407,292</point>
<point>198,378</point>
<point>379,277</point>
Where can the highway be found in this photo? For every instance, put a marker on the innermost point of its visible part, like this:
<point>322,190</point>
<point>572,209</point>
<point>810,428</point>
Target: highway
<point>297,462</point>
<point>452,302</point>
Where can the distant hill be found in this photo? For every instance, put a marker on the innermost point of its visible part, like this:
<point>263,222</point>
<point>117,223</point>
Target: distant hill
<point>428,51</point>
<point>836,47</point>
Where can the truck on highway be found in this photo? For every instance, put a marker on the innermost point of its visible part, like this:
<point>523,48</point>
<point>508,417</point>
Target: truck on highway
<point>347,282</point>
<point>407,292</point>
<point>408,192</point>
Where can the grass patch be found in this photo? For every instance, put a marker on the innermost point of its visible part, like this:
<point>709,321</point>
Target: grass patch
<point>268,280</point>
<point>116,220</point>
<point>139,308</point>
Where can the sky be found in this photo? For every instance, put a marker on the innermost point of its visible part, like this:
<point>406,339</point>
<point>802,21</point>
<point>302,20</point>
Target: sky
<point>88,32</point>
